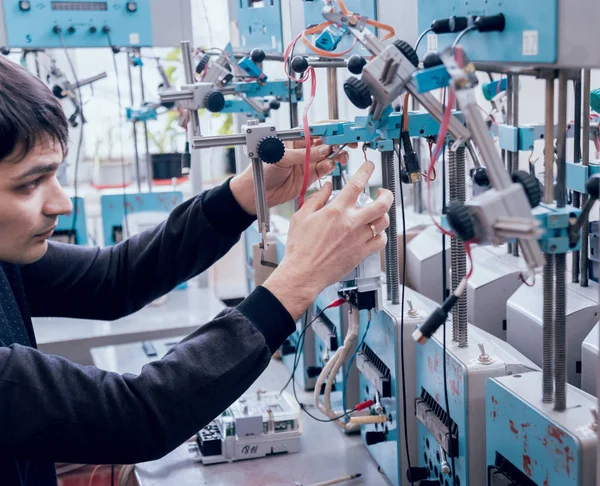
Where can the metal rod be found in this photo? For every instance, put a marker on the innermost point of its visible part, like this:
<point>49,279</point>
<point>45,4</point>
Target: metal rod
<point>135,138</point>
<point>586,162</point>
<point>145,125</point>
<point>90,80</point>
<point>561,176</point>
<point>515,155</point>
<point>549,138</point>
<point>548,331</point>
<point>509,155</point>
<point>262,210</point>
<point>332,94</point>
<point>560,339</point>
<point>576,256</point>
<point>188,67</point>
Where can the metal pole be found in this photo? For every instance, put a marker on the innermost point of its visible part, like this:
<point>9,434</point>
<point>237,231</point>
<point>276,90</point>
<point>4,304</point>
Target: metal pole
<point>332,93</point>
<point>510,119</point>
<point>515,155</point>
<point>585,161</point>
<point>576,257</point>
<point>145,125</point>
<point>135,139</point>
<point>561,176</point>
<point>549,138</point>
<point>188,67</point>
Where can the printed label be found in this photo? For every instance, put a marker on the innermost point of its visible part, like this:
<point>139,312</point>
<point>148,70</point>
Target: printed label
<point>432,42</point>
<point>530,43</point>
<point>134,38</point>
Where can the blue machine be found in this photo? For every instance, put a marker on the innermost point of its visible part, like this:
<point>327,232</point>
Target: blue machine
<point>148,23</point>
<point>65,232</point>
<point>260,24</point>
<point>468,369</point>
<point>334,39</point>
<point>531,444</point>
<point>116,206</point>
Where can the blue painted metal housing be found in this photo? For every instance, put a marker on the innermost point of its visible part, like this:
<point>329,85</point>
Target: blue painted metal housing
<point>33,29</point>
<point>253,70</point>
<point>555,224</point>
<point>530,36</point>
<point>260,24</point>
<point>65,223</point>
<point>547,448</point>
<point>432,78</point>
<point>579,174</point>
<point>144,114</point>
<point>492,89</point>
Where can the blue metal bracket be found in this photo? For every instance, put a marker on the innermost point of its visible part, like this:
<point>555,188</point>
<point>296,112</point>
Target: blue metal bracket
<point>432,78</point>
<point>278,89</point>
<point>491,90</point>
<point>555,223</point>
<point>253,70</point>
<point>331,37</point>
<point>508,137</point>
<point>142,115</point>
<point>579,174</point>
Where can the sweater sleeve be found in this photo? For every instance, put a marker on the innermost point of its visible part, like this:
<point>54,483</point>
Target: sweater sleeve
<point>54,410</point>
<point>109,283</point>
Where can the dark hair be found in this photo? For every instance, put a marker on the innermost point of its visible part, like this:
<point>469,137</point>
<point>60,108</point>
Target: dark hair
<point>29,113</point>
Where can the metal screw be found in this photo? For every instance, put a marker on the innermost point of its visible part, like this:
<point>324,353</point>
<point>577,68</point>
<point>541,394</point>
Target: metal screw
<point>248,131</point>
<point>444,466</point>
<point>250,154</point>
<point>412,312</point>
<point>272,129</point>
<point>483,357</point>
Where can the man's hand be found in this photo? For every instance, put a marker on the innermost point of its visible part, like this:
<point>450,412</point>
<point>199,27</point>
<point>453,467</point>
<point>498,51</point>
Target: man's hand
<point>283,181</point>
<point>326,242</point>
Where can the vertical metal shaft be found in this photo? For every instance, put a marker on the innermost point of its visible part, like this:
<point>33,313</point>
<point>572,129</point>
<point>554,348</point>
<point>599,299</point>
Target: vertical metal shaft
<point>510,118</point>
<point>458,192</point>
<point>262,210</point>
<point>188,68</point>
<point>393,276</point>
<point>418,187</point>
<point>560,341</point>
<point>548,331</point>
<point>577,159</point>
<point>386,184</point>
<point>332,93</point>
<point>145,125</point>
<point>549,138</point>
<point>515,123</point>
<point>585,160</point>
<point>135,134</point>
<point>561,175</point>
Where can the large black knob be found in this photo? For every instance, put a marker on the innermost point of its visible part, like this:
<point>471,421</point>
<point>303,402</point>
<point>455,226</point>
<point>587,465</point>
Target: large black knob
<point>274,104</point>
<point>480,177</point>
<point>593,186</point>
<point>299,64</point>
<point>271,150</point>
<point>408,51</point>
<point>372,438</point>
<point>356,64</point>
<point>202,64</point>
<point>358,93</point>
<point>258,56</point>
<point>5,51</point>
<point>432,59</point>
<point>460,220</point>
<point>214,102</point>
<point>415,474</point>
<point>531,186</point>
<point>313,371</point>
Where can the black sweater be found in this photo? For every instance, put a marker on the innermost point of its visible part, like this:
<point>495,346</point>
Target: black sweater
<point>52,410</point>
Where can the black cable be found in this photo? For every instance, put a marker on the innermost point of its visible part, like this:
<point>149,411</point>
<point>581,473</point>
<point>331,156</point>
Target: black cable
<point>461,35</point>
<point>112,475</point>
<point>79,142</point>
<point>404,405</point>
<point>300,340</point>
<point>444,285</point>
<point>421,38</point>
<point>114,56</point>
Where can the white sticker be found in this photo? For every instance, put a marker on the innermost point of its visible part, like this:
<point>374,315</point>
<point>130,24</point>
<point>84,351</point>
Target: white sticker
<point>432,42</point>
<point>531,43</point>
<point>273,42</point>
<point>134,39</point>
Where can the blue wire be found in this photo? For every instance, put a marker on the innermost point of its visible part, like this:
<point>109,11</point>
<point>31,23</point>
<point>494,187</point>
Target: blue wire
<point>350,366</point>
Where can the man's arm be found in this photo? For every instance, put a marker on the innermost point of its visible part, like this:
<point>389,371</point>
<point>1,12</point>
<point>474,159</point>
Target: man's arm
<point>109,283</point>
<point>54,410</point>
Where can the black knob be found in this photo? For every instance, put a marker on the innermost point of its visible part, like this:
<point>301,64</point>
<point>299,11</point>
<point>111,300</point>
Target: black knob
<point>25,6</point>
<point>432,59</point>
<point>131,6</point>
<point>275,104</point>
<point>531,186</point>
<point>408,51</point>
<point>313,371</point>
<point>358,93</point>
<point>299,64</point>
<point>415,474</point>
<point>271,150</point>
<point>4,50</point>
<point>480,177</point>
<point>593,186</point>
<point>106,29</point>
<point>258,56</point>
<point>490,23</point>
<point>93,30</point>
<point>56,29</point>
<point>460,220</point>
<point>71,30</point>
<point>372,438</point>
<point>356,64</point>
<point>214,102</point>
<point>202,64</point>
<point>115,49</point>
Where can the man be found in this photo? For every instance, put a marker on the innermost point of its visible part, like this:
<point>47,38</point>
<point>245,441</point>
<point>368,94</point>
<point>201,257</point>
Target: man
<point>52,410</point>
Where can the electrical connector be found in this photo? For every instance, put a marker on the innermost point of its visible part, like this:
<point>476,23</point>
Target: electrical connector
<point>411,160</point>
<point>435,320</point>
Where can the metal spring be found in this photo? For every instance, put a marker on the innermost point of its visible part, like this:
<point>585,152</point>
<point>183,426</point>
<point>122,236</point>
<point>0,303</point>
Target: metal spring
<point>454,244</point>
<point>387,158</point>
<point>560,342</point>
<point>548,332</point>
<point>386,183</point>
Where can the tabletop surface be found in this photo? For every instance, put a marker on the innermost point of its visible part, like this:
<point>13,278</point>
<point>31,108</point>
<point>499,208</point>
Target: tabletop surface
<point>326,454</point>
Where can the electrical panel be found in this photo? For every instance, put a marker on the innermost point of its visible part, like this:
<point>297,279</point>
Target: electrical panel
<point>259,24</point>
<point>148,23</point>
<point>558,33</point>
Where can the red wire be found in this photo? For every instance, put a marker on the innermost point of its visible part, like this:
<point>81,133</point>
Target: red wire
<point>336,303</point>
<point>467,245</point>
<point>307,139</point>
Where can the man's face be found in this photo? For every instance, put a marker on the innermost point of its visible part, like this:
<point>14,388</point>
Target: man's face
<point>31,200</point>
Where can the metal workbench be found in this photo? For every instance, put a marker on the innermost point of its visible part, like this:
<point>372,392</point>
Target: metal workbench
<point>326,452</point>
<point>182,312</point>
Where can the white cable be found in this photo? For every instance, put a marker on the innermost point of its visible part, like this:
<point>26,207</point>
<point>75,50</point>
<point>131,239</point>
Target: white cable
<point>461,288</point>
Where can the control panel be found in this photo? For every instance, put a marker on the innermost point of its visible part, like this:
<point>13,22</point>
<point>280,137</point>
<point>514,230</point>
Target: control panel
<point>46,24</point>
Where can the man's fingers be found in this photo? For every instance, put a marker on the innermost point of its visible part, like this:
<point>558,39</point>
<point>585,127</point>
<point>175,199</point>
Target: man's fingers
<point>376,227</point>
<point>300,144</point>
<point>349,194</point>
<point>318,199</point>
<point>377,208</point>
